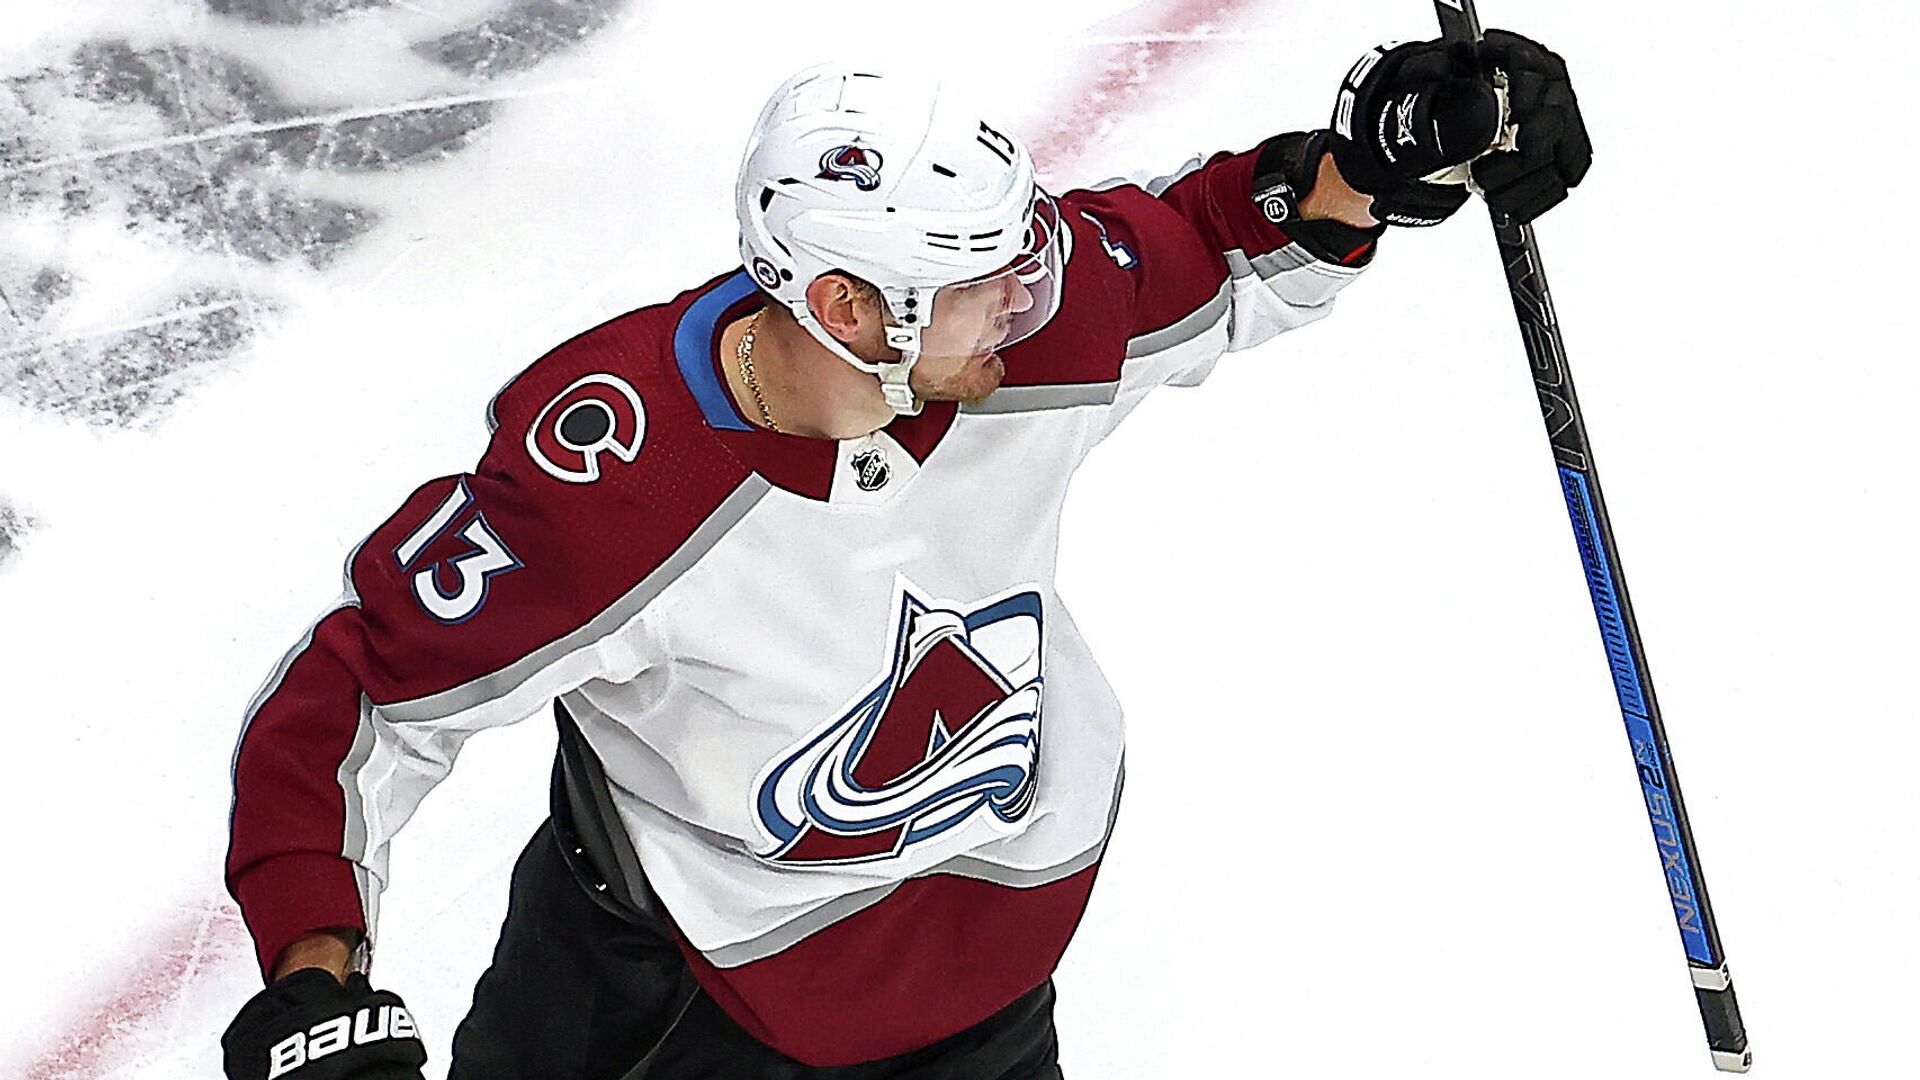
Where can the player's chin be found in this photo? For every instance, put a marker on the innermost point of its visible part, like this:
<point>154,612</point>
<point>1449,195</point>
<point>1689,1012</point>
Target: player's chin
<point>977,378</point>
<point>985,377</point>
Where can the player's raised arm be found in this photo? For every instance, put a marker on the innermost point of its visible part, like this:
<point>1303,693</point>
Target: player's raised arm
<point>1236,248</point>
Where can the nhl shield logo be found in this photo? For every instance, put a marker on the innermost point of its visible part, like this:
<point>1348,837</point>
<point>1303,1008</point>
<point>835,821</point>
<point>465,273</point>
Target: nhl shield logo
<point>949,735</point>
<point>870,468</point>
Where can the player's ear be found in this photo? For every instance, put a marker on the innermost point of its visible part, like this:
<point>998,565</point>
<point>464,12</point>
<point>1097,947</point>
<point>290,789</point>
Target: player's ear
<point>845,307</point>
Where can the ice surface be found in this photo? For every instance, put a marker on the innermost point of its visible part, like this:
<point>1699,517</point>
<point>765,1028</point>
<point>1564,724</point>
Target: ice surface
<point>127,376</point>
<point>527,34</point>
<point>190,148</point>
<point>263,263</point>
<point>13,526</point>
<point>290,12</point>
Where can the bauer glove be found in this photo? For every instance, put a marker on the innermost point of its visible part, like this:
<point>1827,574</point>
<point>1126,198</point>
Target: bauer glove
<point>309,1027</point>
<point>1405,113</point>
<point>1409,113</point>
<point>1553,152</point>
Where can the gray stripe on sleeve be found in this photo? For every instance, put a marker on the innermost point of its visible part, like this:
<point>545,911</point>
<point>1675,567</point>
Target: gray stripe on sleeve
<point>1275,263</point>
<point>1192,326</point>
<point>1014,399</point>
<point>369,887</point>
<point>353,842</point>
<point>1195,324</point>
<point>349,597</point>
<point>503,682</point>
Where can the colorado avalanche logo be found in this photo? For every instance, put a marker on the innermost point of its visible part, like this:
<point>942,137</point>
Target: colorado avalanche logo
<point>599,414</point>
<point>859,164</point>
<point>950,735</point>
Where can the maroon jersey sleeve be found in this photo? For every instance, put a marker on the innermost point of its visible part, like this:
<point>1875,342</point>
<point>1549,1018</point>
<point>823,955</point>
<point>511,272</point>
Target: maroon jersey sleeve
<point>484,596</point>
<point>1165,277</point>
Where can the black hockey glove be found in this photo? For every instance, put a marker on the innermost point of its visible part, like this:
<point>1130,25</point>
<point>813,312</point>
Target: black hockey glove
<point>1407,112</point>
<point>1286,172</point>
<point>1553,152</point>
<point>309,1027</point>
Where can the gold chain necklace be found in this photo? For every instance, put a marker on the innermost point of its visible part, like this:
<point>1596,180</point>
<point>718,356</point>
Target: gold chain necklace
<point>744,351</point>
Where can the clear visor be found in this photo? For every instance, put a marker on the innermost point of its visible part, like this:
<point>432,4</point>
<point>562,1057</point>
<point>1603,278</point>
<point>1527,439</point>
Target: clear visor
<point>977,316</point>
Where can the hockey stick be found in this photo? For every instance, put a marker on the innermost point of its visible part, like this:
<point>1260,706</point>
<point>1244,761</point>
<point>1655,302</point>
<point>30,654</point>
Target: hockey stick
<point>1567,431</point>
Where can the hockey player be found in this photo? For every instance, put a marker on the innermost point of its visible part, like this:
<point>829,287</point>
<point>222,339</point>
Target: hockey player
<point>836,770</point>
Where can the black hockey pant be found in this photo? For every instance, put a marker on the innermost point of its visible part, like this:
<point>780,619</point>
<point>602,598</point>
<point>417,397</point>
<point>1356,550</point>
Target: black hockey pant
<point>576,992</point>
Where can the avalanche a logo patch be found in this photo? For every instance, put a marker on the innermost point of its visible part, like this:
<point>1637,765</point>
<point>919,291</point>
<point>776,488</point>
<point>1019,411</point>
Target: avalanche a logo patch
<point>949,735</point>
<point>859,164</point>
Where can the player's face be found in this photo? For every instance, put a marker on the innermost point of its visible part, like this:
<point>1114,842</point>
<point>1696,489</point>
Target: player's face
<point>958,361</point>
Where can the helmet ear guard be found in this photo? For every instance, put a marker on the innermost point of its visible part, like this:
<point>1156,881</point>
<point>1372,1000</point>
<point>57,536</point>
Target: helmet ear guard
<point>903,337</point>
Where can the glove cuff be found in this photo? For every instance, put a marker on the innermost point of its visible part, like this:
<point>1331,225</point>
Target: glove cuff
<point>1284,173</point>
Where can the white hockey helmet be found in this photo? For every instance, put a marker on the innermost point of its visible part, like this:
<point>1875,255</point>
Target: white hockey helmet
<point>891,179</point>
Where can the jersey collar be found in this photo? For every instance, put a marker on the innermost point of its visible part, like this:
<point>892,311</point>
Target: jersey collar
<point>801,465</point>
<point>696,349</point>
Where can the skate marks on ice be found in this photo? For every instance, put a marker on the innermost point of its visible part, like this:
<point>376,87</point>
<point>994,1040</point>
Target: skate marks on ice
<point>151,197</point>
<point>520,37</point>
<point>136,251</point>
<point>291,12</point>
<point>120,1035</point>
<point>517,38</point>
<point>129,375</point>
<point>13,526</point>
<point>524,36</point>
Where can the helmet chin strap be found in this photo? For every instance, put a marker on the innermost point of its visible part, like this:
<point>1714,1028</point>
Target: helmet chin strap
<point>893,386</point>
<point>894,375</point>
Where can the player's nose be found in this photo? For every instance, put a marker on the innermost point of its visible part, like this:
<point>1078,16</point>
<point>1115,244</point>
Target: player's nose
<point>1018,297</point>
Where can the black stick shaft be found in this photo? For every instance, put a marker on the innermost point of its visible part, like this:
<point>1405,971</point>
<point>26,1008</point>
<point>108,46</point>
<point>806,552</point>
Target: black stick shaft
<point>1567,431</point>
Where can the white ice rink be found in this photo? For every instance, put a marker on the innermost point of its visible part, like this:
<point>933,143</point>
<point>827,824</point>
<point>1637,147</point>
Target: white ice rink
<point>265,261</point>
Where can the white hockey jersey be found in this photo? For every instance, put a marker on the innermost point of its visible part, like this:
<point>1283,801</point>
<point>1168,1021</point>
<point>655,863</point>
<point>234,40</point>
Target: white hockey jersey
<point>864,757</point>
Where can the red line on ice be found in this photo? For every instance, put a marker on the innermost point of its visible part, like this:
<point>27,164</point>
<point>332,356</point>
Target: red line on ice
<point>1126,75</point>
<point>86,1050</point>
<point>158,981</point>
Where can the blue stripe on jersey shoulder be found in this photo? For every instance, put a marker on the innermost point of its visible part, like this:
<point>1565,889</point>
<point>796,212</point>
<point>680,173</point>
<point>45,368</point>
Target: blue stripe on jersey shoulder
<point>693,345</point>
